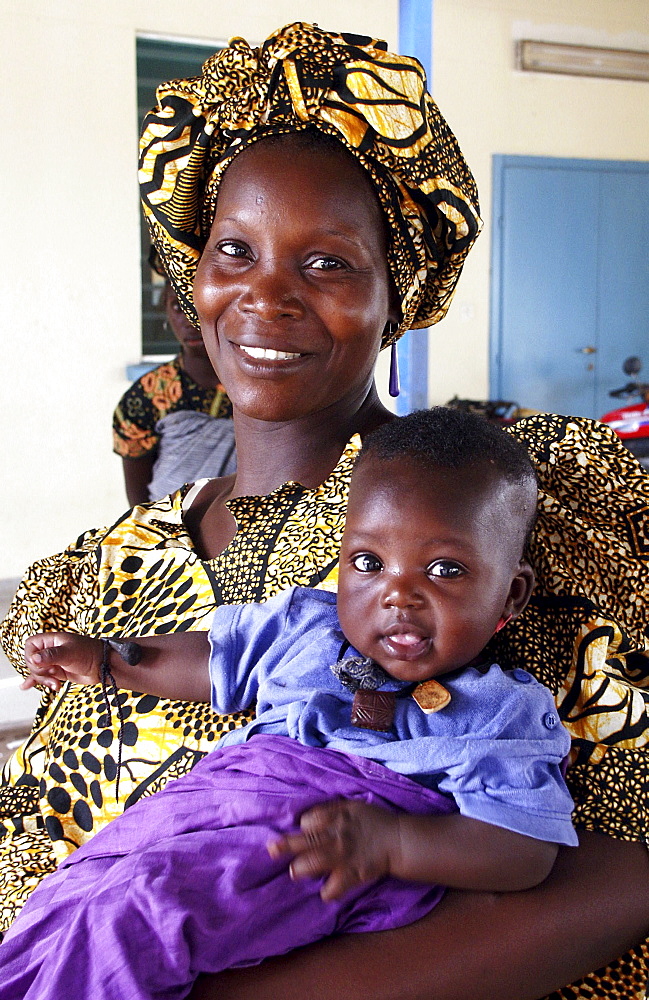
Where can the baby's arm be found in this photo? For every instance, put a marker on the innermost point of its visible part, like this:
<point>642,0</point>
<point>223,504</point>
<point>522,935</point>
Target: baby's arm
<point>171,666</point>
<point>175,666</point>
<point>354,842</point>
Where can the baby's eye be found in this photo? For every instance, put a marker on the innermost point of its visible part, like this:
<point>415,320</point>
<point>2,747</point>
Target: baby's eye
<point>445,569</point>
<point>366,563</point>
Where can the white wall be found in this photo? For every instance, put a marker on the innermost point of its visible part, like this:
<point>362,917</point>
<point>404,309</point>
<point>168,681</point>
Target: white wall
<point>69,268</point>
<point>494,108</point>
<point>69,254</point>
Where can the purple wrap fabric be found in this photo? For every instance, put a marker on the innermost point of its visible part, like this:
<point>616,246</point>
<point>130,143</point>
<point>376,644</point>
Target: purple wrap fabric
<point>182,883</point>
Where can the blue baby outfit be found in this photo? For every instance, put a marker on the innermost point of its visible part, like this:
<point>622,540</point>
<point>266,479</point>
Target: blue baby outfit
<point>497,748</point>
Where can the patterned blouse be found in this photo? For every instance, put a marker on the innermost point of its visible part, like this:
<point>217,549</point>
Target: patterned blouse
<point>583,634</point>
<point>163,390</point>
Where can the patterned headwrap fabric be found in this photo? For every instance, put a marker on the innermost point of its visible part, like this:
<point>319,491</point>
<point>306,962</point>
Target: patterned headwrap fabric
<point>348,86</point>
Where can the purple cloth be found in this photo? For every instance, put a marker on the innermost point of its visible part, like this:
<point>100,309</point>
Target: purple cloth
<point>182,883</point>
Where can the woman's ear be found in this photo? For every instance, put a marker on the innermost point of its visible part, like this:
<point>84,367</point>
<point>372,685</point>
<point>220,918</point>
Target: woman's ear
<point>520,590</point>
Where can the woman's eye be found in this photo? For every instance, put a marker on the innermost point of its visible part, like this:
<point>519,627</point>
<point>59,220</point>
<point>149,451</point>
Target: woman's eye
<point>366,563</point>
<point>325,264</point>
<point>232,249</point>
<point>445,569</point>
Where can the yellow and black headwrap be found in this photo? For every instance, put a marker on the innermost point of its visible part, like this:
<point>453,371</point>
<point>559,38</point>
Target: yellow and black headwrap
<point>373,101</point>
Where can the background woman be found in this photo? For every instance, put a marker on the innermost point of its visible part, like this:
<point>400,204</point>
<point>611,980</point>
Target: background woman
<point>154,455</point>
<point>345,211</point>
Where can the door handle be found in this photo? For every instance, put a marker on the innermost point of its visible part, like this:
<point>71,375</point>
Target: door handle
<point>586,350</point>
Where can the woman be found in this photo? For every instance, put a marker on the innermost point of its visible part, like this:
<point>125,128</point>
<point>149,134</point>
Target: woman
<point>345,212</point>
<point>161,426</point>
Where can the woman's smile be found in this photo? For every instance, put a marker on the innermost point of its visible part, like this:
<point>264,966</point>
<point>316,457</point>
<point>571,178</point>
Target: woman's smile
<point>268,362</point>
<point>268,354</point>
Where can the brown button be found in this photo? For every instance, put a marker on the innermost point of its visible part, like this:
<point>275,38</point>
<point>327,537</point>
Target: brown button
<point>373,710</point>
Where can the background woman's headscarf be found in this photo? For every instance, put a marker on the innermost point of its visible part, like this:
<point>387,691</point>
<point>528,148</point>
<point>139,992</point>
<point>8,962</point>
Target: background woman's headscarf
<point>348,86</point>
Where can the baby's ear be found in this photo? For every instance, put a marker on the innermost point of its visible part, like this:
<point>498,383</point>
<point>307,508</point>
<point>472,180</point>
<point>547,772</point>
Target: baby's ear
<point>520,590</point>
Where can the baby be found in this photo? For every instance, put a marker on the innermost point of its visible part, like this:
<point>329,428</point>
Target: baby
<point>365,784</point>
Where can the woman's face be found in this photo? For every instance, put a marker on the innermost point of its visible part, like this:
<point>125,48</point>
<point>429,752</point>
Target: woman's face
<point>293,289</point>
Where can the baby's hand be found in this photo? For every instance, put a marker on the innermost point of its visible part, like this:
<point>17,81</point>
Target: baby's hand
<point>350,841</point>
<point>56,657</point>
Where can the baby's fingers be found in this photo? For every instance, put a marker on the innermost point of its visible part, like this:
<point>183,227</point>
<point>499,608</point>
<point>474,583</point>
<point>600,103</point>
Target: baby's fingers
<point>64,656</point>
<point>46,640</point>
<point>290,844</point>
<point>50,677</point>
<point>48,682</point>
<point>312,856</point>
<point>339,882</point>
<point>322,819</point>
<point>30,682</point>
<point>315,830</point>
<point>312,863</point>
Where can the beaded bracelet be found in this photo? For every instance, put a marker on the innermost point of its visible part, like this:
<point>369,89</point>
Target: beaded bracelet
<point>131,653</point>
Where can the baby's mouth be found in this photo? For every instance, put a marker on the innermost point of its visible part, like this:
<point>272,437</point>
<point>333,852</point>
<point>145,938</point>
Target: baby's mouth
<point>407,645</point>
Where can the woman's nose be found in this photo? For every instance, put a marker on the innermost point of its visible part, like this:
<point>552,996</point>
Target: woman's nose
<point>272,293</point>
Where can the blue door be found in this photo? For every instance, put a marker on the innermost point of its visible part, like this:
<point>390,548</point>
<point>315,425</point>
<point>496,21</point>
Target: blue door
<point>570,280</point>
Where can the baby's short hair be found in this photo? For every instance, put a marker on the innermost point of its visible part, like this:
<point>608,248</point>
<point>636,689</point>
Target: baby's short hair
<point>453,439</point>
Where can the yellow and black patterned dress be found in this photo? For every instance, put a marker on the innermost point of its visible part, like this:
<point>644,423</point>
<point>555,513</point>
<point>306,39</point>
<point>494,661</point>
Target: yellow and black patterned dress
<point>583,634</point>
<point>165,389</point>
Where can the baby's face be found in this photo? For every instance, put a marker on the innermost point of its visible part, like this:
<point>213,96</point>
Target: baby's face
<point>429,562</point>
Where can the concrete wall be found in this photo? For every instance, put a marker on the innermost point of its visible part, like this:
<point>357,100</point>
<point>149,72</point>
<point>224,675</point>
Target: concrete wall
<point>494,108</point>
<point>69,256</point>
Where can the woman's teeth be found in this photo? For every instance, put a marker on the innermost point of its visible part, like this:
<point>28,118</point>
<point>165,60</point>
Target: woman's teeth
<point>266,354</point>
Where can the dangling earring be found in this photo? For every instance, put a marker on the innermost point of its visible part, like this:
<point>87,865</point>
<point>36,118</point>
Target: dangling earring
<point>393,386</point>
<point>502,622</point>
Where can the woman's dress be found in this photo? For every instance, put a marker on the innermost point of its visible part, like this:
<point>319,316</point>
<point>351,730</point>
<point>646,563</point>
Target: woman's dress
<point>583,634</point>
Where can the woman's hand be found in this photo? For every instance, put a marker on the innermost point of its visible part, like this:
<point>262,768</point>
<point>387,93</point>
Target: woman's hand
<point>514,946</point>
<point>56,657</point>
<point>348,840</point>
